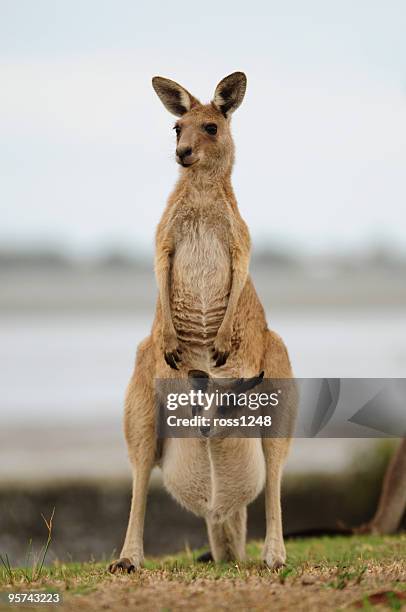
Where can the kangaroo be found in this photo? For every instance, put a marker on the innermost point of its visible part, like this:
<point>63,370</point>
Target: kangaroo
<point>208,319</point>
<point>392,501</point>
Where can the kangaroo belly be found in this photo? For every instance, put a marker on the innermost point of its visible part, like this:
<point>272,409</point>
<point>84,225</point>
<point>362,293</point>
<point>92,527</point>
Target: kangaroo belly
<point>186,473</point>
<point>213,477</point>
<point>239,468</point>
<point>200,286</point>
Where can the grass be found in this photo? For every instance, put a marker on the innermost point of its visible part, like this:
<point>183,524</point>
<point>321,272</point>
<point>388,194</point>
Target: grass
<point>326,573</point>
<point>33,563</point>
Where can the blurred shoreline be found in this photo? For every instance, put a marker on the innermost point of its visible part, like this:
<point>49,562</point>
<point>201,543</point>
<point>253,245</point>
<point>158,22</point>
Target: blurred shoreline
<point>96,453</point>
<point>318,501</point>
<point>69,331</point>
<point>42,282</point>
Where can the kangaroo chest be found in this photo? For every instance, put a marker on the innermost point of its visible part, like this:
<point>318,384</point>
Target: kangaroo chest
<point>200,276</point>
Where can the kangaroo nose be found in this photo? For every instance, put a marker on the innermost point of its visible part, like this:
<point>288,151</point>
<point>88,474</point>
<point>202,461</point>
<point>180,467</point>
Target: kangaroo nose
<point>205,431</point>
<point>183,153</point>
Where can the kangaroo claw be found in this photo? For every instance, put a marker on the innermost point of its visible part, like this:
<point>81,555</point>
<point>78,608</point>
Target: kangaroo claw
<point>171,359</point>
<point>123,565</point>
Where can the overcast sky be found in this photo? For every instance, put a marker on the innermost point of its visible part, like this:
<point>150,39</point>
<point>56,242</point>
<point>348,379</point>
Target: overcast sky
<point>86,148</point>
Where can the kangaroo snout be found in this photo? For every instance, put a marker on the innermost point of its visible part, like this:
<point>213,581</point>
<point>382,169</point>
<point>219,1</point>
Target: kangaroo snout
<point>184,155</point>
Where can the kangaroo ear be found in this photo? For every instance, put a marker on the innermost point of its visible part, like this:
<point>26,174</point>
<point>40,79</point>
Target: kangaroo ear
<point>173,96</point>
<point>230,92</point>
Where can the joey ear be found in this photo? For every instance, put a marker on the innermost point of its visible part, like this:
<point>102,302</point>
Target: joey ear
<point>230,93</point>
<point>246,384</point>
<point>176,99</point>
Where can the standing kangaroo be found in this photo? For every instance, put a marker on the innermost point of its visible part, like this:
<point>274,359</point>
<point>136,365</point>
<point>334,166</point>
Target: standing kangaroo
<point>208,319</point>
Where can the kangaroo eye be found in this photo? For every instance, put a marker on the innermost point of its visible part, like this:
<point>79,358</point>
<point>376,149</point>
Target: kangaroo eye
<point>211,128</point>
<point>177,129</point>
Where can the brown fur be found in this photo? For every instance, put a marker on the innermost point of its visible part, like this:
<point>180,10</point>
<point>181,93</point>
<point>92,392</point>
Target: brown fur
<point>392,502</point>
<point>209,318</point>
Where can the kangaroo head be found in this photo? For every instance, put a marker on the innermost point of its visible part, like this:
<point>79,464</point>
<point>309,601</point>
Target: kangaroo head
<point>203,135</point>
<point>201,381</point>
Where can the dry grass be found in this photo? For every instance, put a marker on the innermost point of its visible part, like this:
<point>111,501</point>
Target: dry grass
<point>321,574</point>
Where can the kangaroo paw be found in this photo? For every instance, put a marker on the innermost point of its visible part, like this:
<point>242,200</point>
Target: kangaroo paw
<point>123,565</point>
<point>274,558</point>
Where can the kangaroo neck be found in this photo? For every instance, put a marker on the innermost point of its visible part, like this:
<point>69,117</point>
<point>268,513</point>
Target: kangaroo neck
<point>191,180</point>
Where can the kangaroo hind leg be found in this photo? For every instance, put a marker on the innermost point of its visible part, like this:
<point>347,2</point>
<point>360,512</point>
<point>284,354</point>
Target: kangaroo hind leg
<point>139,423</point>
<point>227,539</point>
<point>276,365</point>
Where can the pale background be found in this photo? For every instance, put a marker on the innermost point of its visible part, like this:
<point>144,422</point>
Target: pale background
<point>86,164</point>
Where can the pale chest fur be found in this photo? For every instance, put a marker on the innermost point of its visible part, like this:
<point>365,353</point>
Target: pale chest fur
<point>201,271</point>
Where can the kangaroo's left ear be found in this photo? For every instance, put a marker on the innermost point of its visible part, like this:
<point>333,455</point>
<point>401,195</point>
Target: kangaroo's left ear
<point>230,93</point>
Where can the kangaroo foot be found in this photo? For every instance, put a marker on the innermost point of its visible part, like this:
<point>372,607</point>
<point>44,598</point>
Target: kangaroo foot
<point>206,557</point>
<point>274,557</point>
<point>123,565</point>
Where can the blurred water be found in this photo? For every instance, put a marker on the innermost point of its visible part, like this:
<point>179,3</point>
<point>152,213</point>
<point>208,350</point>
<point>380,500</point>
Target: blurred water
<point>71,368</point>
<point>63,379</point>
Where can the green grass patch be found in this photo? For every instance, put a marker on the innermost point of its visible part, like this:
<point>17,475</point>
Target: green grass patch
<point>344,559</point>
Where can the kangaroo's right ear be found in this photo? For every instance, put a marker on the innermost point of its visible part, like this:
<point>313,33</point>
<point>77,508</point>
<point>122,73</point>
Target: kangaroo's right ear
<point>173,96</point>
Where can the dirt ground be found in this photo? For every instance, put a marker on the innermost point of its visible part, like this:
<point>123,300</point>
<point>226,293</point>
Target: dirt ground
<point>312,591</point>
<point>326,573</point>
